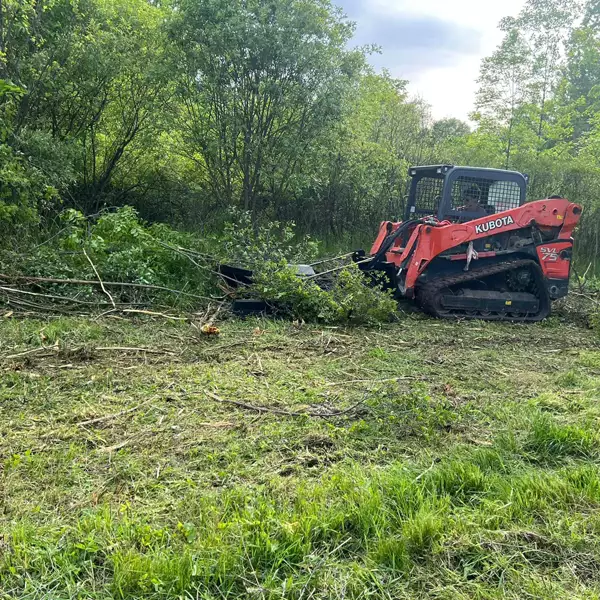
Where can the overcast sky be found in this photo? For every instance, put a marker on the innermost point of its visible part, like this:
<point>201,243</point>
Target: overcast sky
<point>436,44</point>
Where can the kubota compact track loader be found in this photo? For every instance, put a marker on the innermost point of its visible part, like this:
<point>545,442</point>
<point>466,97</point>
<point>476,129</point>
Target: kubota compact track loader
<point>471,247</point>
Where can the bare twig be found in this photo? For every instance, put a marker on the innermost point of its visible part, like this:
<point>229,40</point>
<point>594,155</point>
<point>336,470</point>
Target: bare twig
<point>279,411</point>
<point>132,349</point>
<point>112,301</point>
<point>587,297</point>
<point>351,381</point>
<point>326,260</point>
<point>153,314</point>
<point>360,262</point>
<point>114,415</point>
<point>216,313</point>
<point>186,254</point>
<point>33,351</point>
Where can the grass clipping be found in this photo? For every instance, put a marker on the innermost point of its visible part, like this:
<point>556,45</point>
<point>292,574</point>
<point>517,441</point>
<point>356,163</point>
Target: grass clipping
<point>349,299</point>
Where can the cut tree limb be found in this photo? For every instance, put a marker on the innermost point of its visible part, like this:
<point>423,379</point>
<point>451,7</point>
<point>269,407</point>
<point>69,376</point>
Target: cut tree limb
<point>113,416</point>
<point>153,314</point>
<point>279,411</point>
<point>33,351</point>
<point>13,290</point>
<point>106,292</point>
<point>351,381</point>
<point>143,286</point>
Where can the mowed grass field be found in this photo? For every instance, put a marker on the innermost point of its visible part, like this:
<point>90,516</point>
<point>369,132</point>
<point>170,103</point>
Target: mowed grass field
<point>424,459</point>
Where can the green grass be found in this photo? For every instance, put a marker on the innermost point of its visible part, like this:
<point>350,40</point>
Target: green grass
<point>464,463</point>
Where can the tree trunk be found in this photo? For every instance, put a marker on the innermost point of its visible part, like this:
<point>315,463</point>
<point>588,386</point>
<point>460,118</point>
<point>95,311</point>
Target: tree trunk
<point>509,146</point>
<point>2,45</point>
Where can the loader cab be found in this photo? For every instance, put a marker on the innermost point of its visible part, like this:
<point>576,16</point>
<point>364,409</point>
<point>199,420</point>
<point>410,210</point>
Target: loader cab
<point>461,194</point>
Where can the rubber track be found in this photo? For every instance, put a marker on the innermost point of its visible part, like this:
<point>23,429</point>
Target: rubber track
<point>429,292</point>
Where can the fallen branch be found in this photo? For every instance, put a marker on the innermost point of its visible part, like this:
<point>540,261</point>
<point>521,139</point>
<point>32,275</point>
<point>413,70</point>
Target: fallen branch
<point>113,416</point>
<point>88,302</point>
<point>153,314</point>
<point>279,411</point>
<point>42,308</point>
<point>132,349</point>
<point>144,286</point>
<point>33,351</point>
<point>52,297</point>
<point>351,381</point>
<point>106,292</point>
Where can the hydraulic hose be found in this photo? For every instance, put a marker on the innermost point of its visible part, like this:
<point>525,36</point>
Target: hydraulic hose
<point>390,239</point>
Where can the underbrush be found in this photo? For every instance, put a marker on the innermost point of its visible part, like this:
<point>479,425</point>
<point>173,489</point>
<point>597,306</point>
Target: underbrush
<point>164,268</point>
<point>115,247</point>
<point>130,263</point>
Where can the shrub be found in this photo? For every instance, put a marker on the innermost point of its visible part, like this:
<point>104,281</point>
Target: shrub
<point>350,299</point>
<point>122,248</point>
<point>251,244</point>
<point>301,299</point>
<point>360,303</point>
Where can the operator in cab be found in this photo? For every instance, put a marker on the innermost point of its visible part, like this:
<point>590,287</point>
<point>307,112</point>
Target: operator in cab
<point>472,202</point>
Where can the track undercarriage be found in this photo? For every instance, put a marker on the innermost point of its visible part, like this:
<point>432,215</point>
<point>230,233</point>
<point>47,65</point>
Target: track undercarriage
<point>513,290</point>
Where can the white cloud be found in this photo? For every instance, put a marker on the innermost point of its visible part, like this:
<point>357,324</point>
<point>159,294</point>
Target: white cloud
<point>442,56</point>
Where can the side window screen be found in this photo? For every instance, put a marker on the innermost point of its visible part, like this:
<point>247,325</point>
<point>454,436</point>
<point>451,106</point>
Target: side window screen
<point>476,194</point>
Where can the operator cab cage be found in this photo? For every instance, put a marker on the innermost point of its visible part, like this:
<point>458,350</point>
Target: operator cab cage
<point>461,194</point>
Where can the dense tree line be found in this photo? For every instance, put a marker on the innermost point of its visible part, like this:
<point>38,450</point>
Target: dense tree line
<point>187,109</point>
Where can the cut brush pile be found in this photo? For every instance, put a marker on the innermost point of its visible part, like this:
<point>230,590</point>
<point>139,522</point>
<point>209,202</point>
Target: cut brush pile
<point>114,263</point>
